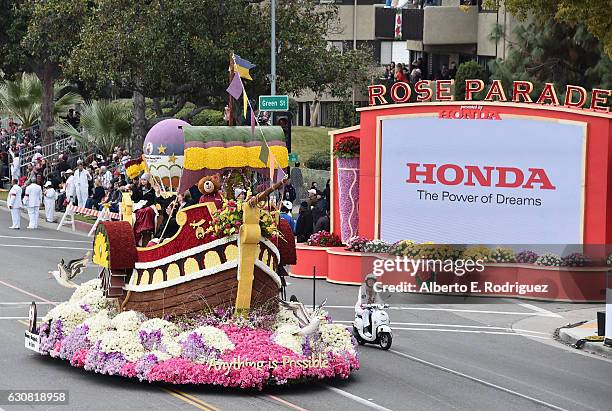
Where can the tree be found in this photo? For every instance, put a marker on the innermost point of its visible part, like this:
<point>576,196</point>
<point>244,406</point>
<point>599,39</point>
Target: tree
<point>105,124</point>
<point>177,51</point>
<point>596,15</point>
<point>23,99</point>
<point>52,30</point>
<point>468,70</point>
<point>554,52</point>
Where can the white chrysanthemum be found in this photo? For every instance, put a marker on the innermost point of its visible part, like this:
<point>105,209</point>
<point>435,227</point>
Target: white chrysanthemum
<point>128,321</point>
<point>98,324</point>
<point>85,288</point>
<point>125,342</point>
<point>336,338</point>
<point>285,338</point>
<point>285,317</point>
<point>172,346</point>
<point>70,313</point>
<point>95,300</point>
<point>211,336</point>
<point>166,327</point>
<point>161,356</point>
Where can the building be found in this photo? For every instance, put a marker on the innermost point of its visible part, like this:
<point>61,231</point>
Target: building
<point>437,31</point>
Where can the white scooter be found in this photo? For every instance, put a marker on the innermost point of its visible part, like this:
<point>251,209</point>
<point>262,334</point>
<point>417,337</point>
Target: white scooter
<point>381,331</point>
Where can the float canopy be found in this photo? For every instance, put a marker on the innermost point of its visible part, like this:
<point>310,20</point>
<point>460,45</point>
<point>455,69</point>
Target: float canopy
<point>213,149</point>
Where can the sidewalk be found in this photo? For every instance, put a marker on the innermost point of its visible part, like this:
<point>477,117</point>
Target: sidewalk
<point>571,335</point>
<point>567,327</point>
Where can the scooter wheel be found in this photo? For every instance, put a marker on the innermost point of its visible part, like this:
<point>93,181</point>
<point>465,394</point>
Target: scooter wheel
<point>385,340</point>
<point>360,340</point>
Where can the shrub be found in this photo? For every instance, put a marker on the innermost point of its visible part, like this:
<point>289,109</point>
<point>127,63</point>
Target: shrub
<point>575,260</point>
<point>208,118</point>
<point>319,161</point>
<point>549,259</point>
<point>404,248</point>
<point>526,257</point>
<point>324,239</point>
<point>503,255</point>
<point>478,252</point>
<point>468,70</point>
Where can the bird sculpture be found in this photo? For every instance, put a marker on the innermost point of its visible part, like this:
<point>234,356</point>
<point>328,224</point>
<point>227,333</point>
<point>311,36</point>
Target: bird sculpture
<point>308,320</point>
<point>65,273</point>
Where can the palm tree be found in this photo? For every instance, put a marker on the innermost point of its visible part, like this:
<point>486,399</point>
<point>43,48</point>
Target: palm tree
<point>22,99</point>
<point>105,124</point>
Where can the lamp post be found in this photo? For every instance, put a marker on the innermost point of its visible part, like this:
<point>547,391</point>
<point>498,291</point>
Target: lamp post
<point>273,48</point>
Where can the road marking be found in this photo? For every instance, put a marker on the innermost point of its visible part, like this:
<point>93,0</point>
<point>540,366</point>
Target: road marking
<point>528,313</point>
<point>285,403</point>
<point>357,399</point>
<point>44,246</point>
<point>470,332</point>
<point>26,292</point>
<point>28,303</point>
<point>478,380</point>
<point>190,399</point>
<point>540,310</point>
<point>23,322</point>
<point>44,239</point>
<point>458,326</point>
<point>13,318</point>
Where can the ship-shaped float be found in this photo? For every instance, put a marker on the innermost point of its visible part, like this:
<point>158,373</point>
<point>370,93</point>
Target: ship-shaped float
<point>193,270</point>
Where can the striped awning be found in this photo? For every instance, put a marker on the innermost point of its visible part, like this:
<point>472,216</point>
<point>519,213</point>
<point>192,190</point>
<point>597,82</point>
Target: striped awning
<point>212,149</point>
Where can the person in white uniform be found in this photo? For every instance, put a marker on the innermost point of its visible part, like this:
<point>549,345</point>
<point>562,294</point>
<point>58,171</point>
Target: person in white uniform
<point>50,197</point>
<point>14,204</point>
<point>69,187</point>
<point>81,180</point>
<point>16,166</point>
<point>32,200</point>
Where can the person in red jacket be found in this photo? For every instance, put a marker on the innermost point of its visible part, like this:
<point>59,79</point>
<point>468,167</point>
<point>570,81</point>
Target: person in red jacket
<point>286,248</point>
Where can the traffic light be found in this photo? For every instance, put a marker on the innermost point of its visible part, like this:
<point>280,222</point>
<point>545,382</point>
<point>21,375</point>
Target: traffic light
<point>283,119</point>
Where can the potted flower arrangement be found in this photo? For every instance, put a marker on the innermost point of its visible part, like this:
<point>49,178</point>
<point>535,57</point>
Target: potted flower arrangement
<point>346,151</point>
<point>324,239</point>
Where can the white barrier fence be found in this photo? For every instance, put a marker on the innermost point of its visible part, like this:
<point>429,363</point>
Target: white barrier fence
<point>71,209</point>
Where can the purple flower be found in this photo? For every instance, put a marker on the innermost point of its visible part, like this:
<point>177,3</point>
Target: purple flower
<point>144,365</point>
<point>86,308</point>
<point>526,257</point>
<point>150,340</point>
<point>73,342</point>
<point>104,363</point>
<point>196,349</point>
<point>47,342</point>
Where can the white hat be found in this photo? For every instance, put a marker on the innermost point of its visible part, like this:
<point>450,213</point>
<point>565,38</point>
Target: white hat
<point>94,164</point>
<point>79,162</point>
<point>144,176</point>
<point>69,171</point>
<point>238,191</point>
<point>48,184</point>
<point>288,205</point>
<point>38,148</point>
<point>312,191</point>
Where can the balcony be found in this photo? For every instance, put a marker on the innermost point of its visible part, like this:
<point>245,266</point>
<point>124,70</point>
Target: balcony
<point>444,25</point>
<point>384,23</point>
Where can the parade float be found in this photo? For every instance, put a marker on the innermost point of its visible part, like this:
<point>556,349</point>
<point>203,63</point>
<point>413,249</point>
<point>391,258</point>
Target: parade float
<point>203,306</point>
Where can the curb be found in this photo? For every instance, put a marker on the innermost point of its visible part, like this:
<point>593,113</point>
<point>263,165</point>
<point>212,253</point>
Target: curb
<point>565,336</point>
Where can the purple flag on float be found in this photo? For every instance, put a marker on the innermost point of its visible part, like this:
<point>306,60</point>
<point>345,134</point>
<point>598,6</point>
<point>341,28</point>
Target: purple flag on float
<point>235,88</point>
<point>280,174</point>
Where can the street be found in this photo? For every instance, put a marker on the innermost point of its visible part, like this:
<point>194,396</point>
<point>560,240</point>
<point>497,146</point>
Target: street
<point>487,353</point>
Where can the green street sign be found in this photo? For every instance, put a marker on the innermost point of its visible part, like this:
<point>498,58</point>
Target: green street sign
<point>293,158</point>
<point>274,103</point>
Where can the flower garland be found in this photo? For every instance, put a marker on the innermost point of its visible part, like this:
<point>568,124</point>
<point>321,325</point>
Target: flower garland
<point>324,239</point>
<point>227,221</point>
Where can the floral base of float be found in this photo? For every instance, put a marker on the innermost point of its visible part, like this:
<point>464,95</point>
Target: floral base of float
<point>214,348</point>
